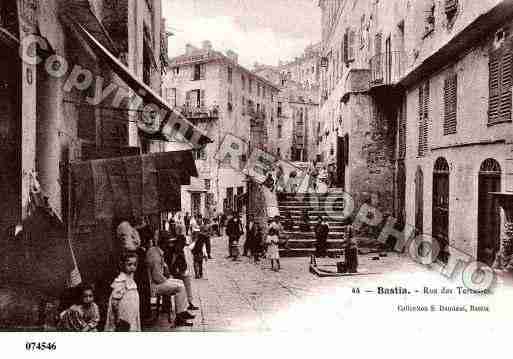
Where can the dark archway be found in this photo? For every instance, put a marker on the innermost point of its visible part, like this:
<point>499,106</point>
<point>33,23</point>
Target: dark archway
<point>440,229</point>
<point>488,213</point>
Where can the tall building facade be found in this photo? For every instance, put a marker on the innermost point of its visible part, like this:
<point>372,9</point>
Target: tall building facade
<point>292,131</point>
<point>49,111</point>
<point>222,97</point>
<point>418,95</point>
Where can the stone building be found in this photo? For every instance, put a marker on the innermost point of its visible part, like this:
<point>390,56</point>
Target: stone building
<point>222,97</point>
<point>421,91</point>
<point>291,136</point>
<point>46,118</point>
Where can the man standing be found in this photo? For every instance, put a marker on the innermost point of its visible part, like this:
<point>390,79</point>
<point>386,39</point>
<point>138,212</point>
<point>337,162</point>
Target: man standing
<point>187,222</point>
<point>233,231</point>
<point>162,285</point>
<point>321,235</point>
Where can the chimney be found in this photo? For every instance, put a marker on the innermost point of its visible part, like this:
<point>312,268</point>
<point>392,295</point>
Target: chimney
<point>189,49</point>
<point>207,45</point>
<point>232,55</point>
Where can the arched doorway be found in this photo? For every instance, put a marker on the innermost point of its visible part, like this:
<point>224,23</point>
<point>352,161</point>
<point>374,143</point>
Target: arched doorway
<point>488,213</point>
<point>419,201</point>
<point>440,230</point>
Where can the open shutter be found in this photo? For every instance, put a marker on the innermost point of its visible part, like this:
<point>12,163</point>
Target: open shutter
<point>426,116</point>
<point>352,43</point>
<point>450,104</point>
<point>346,46</point>
<point>188,99</point>
<point>202,98</point>
<point>494,86</point>
<point>506,83</point>
<point>423,118</point>
<point>203,71</point>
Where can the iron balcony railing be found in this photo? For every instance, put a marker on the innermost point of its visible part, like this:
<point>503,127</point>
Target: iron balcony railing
<point>203,112</point>
<point>386,68</point>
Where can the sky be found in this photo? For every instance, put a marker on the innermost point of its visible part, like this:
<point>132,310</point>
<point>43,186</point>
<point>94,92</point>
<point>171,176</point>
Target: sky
<point>263,31</point>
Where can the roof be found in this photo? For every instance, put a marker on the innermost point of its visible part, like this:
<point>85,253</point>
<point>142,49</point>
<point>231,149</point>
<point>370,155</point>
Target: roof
<point>204,56</point>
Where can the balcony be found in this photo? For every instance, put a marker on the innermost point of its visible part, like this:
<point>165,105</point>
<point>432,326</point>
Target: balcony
<point>200,114</point>
<point>386,69</point>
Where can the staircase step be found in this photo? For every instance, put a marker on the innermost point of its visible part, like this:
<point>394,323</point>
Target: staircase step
<point>305,252</point>
<point>302,244</point>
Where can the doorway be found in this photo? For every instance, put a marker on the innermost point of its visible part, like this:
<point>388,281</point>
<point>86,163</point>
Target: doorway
<point>488,213</point>
<point>419,201</point>
<point>441,207</point>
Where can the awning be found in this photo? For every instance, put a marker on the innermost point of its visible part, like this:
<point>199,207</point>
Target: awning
<point>162,125</point>
<point>135,186</point>
<point>80,11</point>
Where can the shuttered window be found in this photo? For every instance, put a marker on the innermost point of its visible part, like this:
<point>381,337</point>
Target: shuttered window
<point>423,119</point>
<point>346,46</point>
<point>500,83</point>
<point>402,131</point>
<point>450,103</point>
<point>203,71</point>
<point>202,98</point>
<point>351,46</point>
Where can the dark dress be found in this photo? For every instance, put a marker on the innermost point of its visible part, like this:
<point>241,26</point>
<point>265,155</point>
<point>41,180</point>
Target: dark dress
<point>321,235</point>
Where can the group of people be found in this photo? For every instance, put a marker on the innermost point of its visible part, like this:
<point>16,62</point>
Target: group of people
<point>153,263</point>
<point>319,177</point>
<point>258,243</point>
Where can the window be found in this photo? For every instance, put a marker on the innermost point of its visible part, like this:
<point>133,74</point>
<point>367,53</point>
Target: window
<point>250,86</point>
<point>278,152</point>
<point>279,109</point>
<point>200,153</point>
<point>243,81</point>
<point>176,70</point>
<point>279,131</point>
<point>199,72</point>
<point>171,96</point>
<point>230,101</point>
<point>195,98</point>
<point>450,103</point>
<point>258,90</point>
<point>500,83</point>
<point>423,119</point>
<point>451,8</point>
<point>230,75</point>
<point>263,91</point>
<point>362,32</point>
<point>207,184</point>
<point>243,105</point>
<point>429,17</point>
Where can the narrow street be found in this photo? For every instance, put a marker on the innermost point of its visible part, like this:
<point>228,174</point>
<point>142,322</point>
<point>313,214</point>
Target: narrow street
<point>242,296</point>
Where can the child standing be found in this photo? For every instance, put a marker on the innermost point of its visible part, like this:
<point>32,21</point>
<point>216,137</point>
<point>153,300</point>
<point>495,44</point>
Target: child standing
<point>124,300</point>
<point>273,251</point>
<point>82,317</point>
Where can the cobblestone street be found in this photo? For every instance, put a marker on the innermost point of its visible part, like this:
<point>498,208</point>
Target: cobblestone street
<point>243,296</point>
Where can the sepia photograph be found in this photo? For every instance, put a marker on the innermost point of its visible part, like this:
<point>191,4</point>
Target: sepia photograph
<point>254,167</point>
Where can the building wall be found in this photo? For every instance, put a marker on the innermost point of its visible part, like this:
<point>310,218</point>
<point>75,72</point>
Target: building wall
<point>235,121</point>
<point>465,150</point>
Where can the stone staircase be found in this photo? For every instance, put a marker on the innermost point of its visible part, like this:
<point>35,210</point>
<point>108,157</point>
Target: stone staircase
<point>328,205</point>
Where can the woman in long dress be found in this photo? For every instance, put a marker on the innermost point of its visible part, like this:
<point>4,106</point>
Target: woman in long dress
<point>124,299</point>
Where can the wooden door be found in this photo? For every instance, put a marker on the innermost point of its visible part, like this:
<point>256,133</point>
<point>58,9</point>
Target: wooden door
<point>419,201</point>
<point>440,228</point>
<point>488,213</point>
